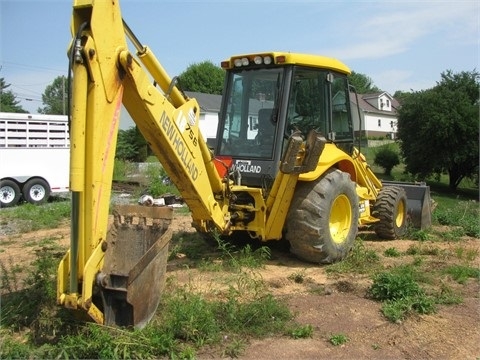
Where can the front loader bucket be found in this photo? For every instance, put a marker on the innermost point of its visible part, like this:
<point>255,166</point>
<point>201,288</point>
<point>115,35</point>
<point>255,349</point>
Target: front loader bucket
<point>133,276</point>
<point>419,208</point>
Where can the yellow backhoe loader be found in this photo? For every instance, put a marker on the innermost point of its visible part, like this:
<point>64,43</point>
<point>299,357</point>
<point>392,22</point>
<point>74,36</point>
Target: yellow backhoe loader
<point>284,165</point>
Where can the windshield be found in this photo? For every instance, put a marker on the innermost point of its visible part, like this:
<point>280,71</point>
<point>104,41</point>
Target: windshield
<point>251,114</point>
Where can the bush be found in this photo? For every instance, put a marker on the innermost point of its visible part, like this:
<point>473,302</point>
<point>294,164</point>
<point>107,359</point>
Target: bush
<point>387,158</point>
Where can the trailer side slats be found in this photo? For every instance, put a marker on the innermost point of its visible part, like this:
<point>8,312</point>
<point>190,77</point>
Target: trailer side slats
<point>34,133</point>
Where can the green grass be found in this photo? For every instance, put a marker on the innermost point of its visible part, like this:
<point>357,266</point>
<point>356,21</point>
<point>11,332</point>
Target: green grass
<point>28,217</point>
<point>462,215</point>
<point>123,170</point>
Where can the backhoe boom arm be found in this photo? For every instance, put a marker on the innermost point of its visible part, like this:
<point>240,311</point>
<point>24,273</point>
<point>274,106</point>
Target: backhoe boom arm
<point>105,75</point>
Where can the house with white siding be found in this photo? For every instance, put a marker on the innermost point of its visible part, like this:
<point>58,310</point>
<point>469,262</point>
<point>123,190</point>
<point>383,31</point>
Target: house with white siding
<point>209,109</point>
<point>378,114</point>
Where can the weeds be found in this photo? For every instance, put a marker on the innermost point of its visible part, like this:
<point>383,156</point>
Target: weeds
<point>297,277</point>
<point>302,332</point>
<point>158,182</point>
<point>191,245</point>
<point>466,254</point>
<point>338,339</point>
<point>401,294</point>
<point>234,347</point>
<point>186,322</point>
<point>463,216</point>
<point>122,170</point>
<point>447,296</point>
<point>394,285</point>
<point>234,259</point>
<point>418,234</point>
<point>392,252</point>
<point>461,273</point>
<point>10,281</point>
<point>359,260</point>
<point>423,250</point>
<point>23,303</point>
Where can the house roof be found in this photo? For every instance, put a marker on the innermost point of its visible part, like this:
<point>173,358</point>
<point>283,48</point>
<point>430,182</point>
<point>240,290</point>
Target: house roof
<point>207,102</point>
<point>368,107</point>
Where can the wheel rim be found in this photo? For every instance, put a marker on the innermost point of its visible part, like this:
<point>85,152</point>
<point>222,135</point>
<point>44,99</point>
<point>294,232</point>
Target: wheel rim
<point>37,192</point>
<point>340,219</point>
<point>8,194</point>
<point>400,215</point>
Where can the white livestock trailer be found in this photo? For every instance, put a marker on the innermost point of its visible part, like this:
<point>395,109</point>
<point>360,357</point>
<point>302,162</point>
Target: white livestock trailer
<point>34,157</point>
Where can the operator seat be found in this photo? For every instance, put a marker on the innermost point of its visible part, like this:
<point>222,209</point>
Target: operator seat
<point>266,130</point>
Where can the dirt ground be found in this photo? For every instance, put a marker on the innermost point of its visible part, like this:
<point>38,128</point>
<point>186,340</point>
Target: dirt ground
<point>341,308</point>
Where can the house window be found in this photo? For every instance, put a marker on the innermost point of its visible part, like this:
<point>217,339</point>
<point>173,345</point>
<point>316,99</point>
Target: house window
<point>379,123</point>
<point>388,103</point>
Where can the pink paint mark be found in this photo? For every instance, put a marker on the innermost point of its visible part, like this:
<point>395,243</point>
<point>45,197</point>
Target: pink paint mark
<point>116,116</point>
<point>111,133</point>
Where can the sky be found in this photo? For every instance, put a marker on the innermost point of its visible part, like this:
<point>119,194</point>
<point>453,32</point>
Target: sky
<point>401,45</point>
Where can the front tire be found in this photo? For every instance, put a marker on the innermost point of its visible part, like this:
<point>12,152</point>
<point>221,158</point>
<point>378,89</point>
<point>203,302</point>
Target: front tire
<point>391,208</point>
<point>9,193</point>
<point>36,191</point>
<point>323,219</point>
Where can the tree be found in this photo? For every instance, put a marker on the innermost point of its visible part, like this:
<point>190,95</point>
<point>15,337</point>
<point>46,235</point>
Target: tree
<point>55,97</point>
<point>387,158</point>
<point>399,95</point>
<point>8,100</point>
<point>204,77</point>
<point>131,145</point>
<point>362,83</point>
<point>439,128</point>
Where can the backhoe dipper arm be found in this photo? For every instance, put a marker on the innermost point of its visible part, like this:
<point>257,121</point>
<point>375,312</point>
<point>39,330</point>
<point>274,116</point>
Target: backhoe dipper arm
<point>105,74</point>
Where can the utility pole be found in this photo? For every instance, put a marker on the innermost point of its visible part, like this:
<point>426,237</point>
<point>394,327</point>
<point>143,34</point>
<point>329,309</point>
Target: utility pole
<point>63,94</point>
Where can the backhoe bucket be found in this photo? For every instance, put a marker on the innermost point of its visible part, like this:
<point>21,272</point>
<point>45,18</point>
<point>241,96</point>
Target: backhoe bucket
<point>419,209</point>
<point>133,275</point>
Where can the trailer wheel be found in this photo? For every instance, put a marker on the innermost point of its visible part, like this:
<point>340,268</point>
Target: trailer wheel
<point>36,191</point>
<point>9,193</point>
<point>323,219</point>
<point>391,208</point>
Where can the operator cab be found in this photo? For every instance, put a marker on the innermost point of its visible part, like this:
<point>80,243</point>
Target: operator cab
<point>269,97</point>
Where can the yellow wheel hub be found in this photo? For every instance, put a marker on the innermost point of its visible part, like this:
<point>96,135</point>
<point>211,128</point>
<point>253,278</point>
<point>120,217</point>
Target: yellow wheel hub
<point>340,218</point>
<point>399,217</point>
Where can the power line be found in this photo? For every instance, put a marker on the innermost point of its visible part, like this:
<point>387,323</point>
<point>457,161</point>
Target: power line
<point>46,69</point>
<point>28,90</point>
<point>27,98</point>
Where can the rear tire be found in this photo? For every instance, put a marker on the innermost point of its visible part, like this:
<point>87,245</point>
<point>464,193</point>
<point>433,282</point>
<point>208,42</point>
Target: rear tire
<point>36,191</point>
<point>9,193</point>
<point>323,219</point>
<point>391,208</point>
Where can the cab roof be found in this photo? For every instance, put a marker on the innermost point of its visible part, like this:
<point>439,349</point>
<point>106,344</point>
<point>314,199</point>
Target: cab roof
<point>282,58</point>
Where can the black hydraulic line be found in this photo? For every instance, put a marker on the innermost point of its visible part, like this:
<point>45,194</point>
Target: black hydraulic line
<point>75,212</point>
